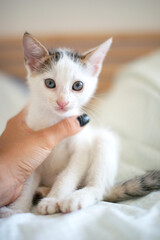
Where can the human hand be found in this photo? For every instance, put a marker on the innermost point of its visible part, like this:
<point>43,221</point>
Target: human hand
<point>22,150</point>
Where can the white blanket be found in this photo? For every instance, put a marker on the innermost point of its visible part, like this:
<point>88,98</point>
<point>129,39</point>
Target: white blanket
<point>132,109</point>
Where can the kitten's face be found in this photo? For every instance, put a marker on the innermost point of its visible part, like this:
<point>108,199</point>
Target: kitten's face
<point>62,81</point>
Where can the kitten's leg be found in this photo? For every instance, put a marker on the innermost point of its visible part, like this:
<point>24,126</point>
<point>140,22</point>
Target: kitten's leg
<point>42,191</point>
<point>24,201</point>
<point>66,182</point>
<point>100,176</point>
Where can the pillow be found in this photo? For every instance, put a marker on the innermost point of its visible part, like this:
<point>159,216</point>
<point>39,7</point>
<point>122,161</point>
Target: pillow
<point>132,109</point>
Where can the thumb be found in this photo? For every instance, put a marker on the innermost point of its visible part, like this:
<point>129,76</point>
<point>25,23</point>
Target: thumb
<point>66,128</point>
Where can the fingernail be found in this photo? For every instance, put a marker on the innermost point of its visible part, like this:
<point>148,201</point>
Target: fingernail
<point>83,119</point>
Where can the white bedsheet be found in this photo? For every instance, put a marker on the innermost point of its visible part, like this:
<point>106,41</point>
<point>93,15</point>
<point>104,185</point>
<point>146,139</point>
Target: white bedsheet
<point>133,110</point>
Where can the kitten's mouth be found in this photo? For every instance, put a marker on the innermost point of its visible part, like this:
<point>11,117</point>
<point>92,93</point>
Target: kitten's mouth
<point>62,109</point>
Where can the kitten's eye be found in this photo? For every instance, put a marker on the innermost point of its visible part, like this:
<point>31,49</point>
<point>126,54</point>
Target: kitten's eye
<point>50,83</point>
<point>77,86</point>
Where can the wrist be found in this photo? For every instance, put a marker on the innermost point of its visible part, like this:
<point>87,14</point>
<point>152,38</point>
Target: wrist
<point>9,187</point>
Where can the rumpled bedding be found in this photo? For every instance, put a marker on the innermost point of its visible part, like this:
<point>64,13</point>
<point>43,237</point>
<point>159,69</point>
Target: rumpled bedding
<point>132,110</point>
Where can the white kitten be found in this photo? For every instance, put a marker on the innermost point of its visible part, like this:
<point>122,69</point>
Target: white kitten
<point>81,169</point>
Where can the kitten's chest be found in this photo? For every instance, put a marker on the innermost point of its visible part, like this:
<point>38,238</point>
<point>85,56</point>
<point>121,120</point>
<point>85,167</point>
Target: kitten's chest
<point>56,162</point>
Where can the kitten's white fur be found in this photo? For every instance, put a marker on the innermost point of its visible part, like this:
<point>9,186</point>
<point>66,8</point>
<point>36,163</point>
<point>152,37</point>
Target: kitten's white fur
<point>82,168</point>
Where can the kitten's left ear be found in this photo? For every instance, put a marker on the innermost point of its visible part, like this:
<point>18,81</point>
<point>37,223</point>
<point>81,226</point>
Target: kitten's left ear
<point>94,57</point>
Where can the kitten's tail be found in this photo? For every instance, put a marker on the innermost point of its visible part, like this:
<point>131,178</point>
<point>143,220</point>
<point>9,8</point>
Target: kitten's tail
<point>136,187</point>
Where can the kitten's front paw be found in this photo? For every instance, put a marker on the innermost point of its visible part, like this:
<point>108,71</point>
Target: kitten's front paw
<point>48,206</point>
<point>73,203</point>
<point>7,212</point>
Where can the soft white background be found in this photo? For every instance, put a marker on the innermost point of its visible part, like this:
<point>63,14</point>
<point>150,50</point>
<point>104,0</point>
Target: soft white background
<point>76,17</point>
<point>136,97</point>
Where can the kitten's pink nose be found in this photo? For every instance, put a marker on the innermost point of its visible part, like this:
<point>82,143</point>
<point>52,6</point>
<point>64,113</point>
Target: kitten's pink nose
<point>62,104</point>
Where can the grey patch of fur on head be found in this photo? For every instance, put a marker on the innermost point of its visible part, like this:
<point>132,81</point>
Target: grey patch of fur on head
<point>57,54</point>
<point>74,56</point>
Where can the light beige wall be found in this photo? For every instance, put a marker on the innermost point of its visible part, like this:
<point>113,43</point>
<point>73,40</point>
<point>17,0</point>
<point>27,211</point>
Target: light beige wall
<point>78,16</point>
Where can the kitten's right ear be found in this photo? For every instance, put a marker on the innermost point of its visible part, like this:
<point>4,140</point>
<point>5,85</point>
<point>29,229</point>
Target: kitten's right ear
<point>34,52</point>
<point>94,57</point>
